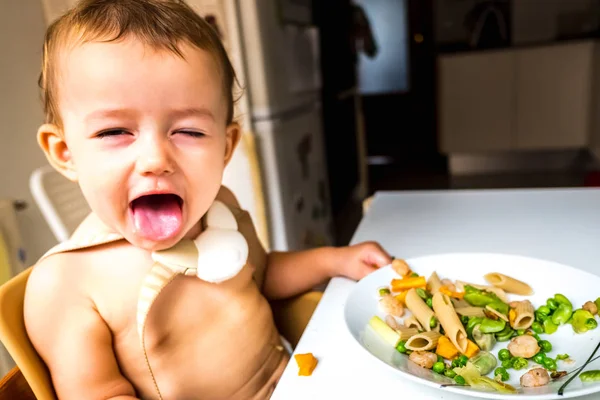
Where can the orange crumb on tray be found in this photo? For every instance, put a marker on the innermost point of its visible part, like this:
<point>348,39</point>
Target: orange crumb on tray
<point>306,364</point>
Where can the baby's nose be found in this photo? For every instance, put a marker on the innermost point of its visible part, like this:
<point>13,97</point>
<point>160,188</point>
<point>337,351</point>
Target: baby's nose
<point>154,158</point>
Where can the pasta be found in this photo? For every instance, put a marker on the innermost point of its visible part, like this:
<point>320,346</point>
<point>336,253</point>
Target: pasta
<point>423,341</point>
<point>470,311</point>
<point>407,333</point>
<point>496,313</point>
<point>434,283</point>
<point>524,315</point>
<point>450,322</point>
<point>417,306</point>
<point>508,284</point>
<point>412,322</point>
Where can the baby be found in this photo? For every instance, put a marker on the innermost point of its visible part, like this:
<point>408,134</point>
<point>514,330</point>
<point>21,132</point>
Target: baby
<point>139,111</point>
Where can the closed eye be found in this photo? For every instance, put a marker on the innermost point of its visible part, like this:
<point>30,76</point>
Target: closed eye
<point>194,134</point>
<point>111,132</point>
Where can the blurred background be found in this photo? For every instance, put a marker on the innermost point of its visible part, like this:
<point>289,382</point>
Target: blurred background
<point>343,98</point>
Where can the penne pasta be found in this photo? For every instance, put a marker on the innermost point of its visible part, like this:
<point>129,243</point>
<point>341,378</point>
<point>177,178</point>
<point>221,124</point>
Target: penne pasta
<point>496,313</point>
<point>407,333</point>
<point>524,315</point>
<point>460,303</point>
<point>434,283</point>
<point>423,341</point>
<point>417,306</point>
<point>508,284</point>
<point>445,313</point>
<point>470,311</point>
<point>412,322</point>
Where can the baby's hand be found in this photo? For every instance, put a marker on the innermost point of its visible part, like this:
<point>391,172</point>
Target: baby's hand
<point>361,259</point>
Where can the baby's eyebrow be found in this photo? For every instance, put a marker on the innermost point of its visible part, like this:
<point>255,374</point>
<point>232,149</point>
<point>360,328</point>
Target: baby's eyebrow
<point>193,112</point>
<point>124,112</point>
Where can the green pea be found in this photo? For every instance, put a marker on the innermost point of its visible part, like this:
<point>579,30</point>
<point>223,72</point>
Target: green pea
<point>519,363</point>
<point>550,327</point>
<point>455,363</point>
<point>537,327</point>
<point>561,299</point>
<point>590,376</point>
<point>491,326</point>
<point>504,376</point>
<point>440,359</point>
<point>439,367</point>
<point>464,320</point>
<point>450,373</point>
<point>507,364</point>
<point>462,360</point>
<point>562,356</point>
<point>550,364</point>
<point>562,314</point>
<point>433,322</point>
<point>504,354</point>
<point>414,275</point>
<point>552,304</point>
<point>520,332</point>
<point>539,358</point>
<point>544,310</point>
<point>401,347</point>
<point>384,291</point>
<point>422,293</point>
<point>429,302</point>
<point>545,345</point>
<point>460,380</point>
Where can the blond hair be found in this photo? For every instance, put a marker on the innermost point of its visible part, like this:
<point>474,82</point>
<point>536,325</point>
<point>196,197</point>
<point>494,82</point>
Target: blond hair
<point>160,24</point>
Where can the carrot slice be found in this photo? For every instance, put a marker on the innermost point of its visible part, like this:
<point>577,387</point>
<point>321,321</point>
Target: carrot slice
<point>306,364</point>
<point>398,285</point>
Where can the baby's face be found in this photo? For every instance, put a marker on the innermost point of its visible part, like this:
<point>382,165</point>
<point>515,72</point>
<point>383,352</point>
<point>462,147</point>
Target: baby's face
<point>146,134</point>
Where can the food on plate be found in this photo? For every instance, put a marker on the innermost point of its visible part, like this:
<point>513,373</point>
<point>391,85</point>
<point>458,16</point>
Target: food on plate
<point>455,327</point>
<point>535,378</point>
<point>306,364</point>
<point>400,267</point>
<point>421,311</point>
<point>508,284</point>
<point>523,346</point>
<point>444,310</point>
<point>590,376</point>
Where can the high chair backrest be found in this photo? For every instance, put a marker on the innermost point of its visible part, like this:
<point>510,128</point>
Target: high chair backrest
<point>14,337</point>
<point>61,201</point>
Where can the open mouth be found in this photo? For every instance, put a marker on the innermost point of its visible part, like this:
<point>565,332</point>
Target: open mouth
<point>157,217</point>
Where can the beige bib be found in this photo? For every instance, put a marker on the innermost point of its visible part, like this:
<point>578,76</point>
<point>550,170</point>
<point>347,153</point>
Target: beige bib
<point>218,254</point>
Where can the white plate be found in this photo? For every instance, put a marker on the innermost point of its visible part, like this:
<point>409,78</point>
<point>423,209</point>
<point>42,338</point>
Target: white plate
<point>546,278</point>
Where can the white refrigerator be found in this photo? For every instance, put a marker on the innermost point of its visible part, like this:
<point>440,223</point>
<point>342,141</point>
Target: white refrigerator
<point>274,49</point>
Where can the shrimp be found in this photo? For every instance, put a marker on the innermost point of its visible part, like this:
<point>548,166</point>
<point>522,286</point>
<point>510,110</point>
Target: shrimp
<point>400,266</point>
<point>535,378</point>
<point>591,307</point>
<point>391,322</point>
<point>449,285</point>
<point>523,346</point>
<point>424,359</point>
<point>391,305</point>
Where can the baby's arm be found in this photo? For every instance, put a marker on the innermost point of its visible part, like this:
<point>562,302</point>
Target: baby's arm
<point>71,337</point>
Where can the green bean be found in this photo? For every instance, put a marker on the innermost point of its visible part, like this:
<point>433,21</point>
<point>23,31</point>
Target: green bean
<point>491,326</point>
<point>401,347</point>
<point>499,306</point>
<point>540,317</point>
<point>520,332</point>
<point>539,358</point>
<point>545,345</point>
<point>550,327</point>
<point>504,376</point>
<point>537,327</point>
<point>544,310</point>
<point>552,304</point>
<point>472,289</point>
<point>473,321</point>
<point>505,334</point>
<point>455,363</point>
<point>384,291</point>
<point>562,314</point>
<point>549,364</point>
<point>590,376</point>
<point>422,293</point>
<point>507,364</point>
<point>597,302</point>
<point>519,363</point>
<point>464,320</point>
<point>450,373</point>
<point>481,299</point>
<point>583,321</point>
<point>561,299</point>
<point>460,380</point>
<point>429,302</point>
<point>562,356</point>
<point>439,367</point>
<point>504,355</point>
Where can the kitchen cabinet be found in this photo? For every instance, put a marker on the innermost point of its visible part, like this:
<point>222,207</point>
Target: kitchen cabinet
<point>476,102</point>
<point>554,96</point>
<point>531,98</point>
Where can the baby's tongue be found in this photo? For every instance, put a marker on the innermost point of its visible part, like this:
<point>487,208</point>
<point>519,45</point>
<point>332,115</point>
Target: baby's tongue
<point>157,217</point>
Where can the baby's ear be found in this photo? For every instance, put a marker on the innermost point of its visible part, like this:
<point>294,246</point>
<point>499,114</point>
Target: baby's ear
<point>233,136</point>
<point>52,141</point>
